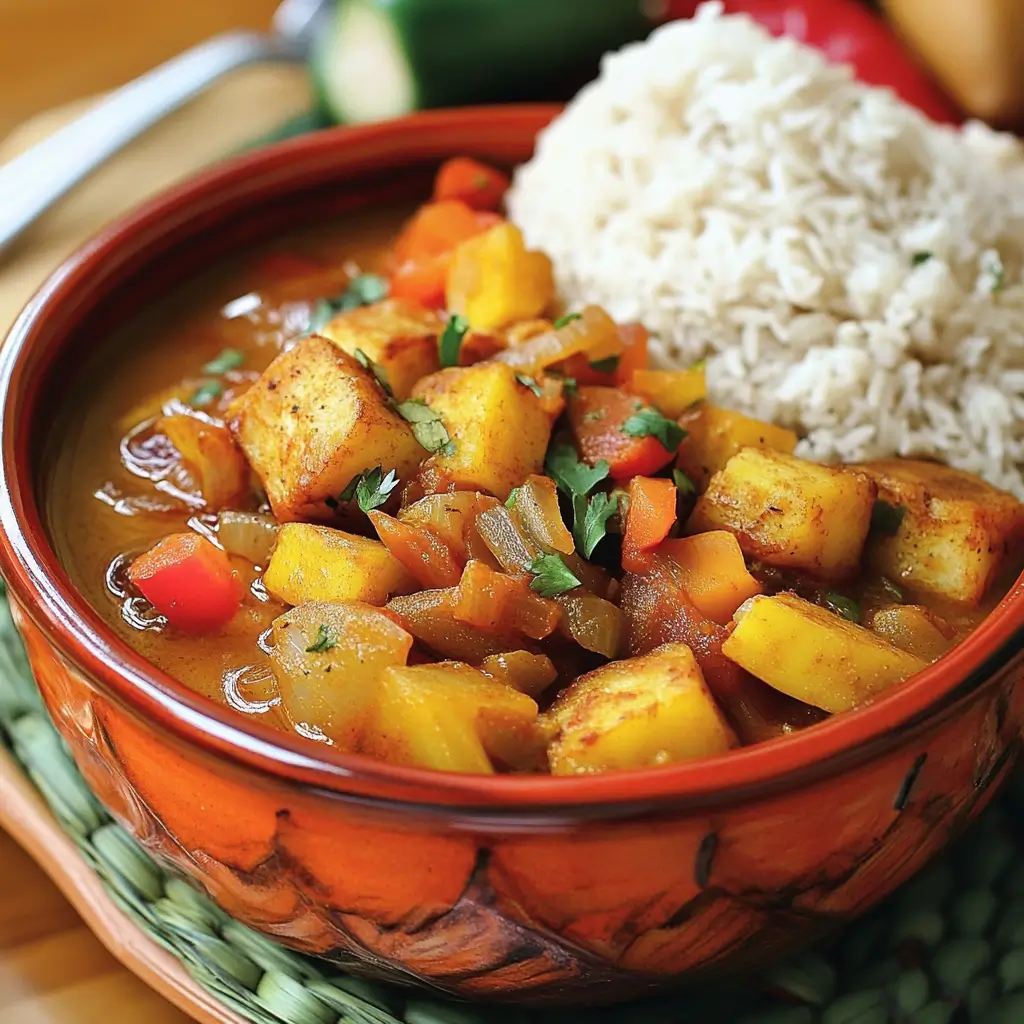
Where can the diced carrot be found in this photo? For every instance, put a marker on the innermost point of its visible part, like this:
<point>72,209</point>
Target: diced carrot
<point>711,569</point>
<point>652,512</point>
<point>671,392</point>
<point>597,416</point>
<point>476,184</point>
<point>188,580</point>
<point>634,336</point>
<point>427,558</point>
<point>422,282</point>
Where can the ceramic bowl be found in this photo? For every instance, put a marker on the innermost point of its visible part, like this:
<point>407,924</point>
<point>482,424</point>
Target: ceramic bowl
<point>531,889</point>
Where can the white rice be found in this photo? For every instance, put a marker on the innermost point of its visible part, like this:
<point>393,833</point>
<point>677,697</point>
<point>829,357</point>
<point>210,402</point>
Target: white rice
<point>752,203</point>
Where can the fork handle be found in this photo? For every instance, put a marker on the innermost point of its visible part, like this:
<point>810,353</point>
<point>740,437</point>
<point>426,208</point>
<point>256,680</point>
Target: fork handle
<point>35,180</point>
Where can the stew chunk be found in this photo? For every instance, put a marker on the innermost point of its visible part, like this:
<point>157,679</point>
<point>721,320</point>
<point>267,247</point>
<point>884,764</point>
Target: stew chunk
<point>315,420</point>
<point>945,531</point>
<point>790,513</point>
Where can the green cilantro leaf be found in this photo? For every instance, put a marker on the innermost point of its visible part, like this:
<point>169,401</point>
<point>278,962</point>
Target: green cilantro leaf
<point>844,606</point>
<point>363,290</point>
<point>228,359</point>
<point>326,638</point>
<point>427,426</point>
<point>374,488</point>
<point>569,385</point>
<point>564,321</point>
<point>996,271</point>
<point>450,342</point>
<point>650,423</point>
<point>206,393</point>
<point>573,476</point>
<point>886,519</point>
<point>684,485</point>
<point>920,257</point>
<point>510,501</point>
<point>590,527</point>
<point>607,365</point>
<point>378,371</point>
<point>350,490</point>
<point>529,382</point>
<point>551,576</point>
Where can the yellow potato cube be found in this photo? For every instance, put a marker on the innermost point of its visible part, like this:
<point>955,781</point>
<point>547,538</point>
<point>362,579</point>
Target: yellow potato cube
<point>399,337</point>
<point>327,659</point>
<point>446,716</point>
<point>313,421</point>
<point>955,531</point>
<point>813,654</point>
<point>671,392</point>
<point>494,281</point>
<point>637,713</point>
<point>714,436</point>
<point>499,426</point>
<point>316,563</point>
<point>789,512</point>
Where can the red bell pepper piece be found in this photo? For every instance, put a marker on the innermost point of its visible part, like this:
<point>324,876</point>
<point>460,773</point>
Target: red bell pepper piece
<point>476,184</point>
<point>188,580</point>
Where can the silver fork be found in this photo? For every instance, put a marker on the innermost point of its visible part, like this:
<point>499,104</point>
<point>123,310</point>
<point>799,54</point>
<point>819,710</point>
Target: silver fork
<point>32,182</point>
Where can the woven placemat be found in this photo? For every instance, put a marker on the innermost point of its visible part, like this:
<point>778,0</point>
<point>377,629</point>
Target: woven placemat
<point>948,948</point>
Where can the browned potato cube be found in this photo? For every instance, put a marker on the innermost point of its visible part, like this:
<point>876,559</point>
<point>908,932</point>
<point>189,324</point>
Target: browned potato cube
<point>637,713</point>
<point>813,654</point>
<point>498,425</point>
<point>789,512</point>
<point>954,532</point>
<point>399,337</point>
<point>313,421</point>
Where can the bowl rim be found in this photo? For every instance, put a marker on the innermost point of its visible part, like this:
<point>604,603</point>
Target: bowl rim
<point>43,590</point>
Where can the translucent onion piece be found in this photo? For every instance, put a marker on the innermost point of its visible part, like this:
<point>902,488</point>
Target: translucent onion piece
<point>536,509</point>
<point>593,334</point>
<point>594,623</point>
<point>250,535</point>
<point>524,671</point>
<point>428,616</point>
<point>505,539</point>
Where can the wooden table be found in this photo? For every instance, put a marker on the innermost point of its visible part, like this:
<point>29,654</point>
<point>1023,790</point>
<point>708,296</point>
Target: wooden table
<point>52,970</point>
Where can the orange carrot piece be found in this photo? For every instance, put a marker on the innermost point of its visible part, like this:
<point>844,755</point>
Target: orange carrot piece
<point>493,603</point>
<point>652,513</point>
<point>476,184</point>
<point>634,336</point>
<point>422,281</point>
<point>711,569</point>
<point>597,416</point>
<point>427,558</point>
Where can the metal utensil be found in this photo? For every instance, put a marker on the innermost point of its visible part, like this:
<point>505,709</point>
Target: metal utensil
<point>36,179</point>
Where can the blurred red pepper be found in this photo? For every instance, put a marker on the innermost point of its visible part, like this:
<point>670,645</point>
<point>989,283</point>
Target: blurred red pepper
<point>847,32</point>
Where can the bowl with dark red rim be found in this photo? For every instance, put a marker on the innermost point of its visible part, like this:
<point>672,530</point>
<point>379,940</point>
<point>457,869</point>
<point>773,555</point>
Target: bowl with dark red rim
<point>249,199</point>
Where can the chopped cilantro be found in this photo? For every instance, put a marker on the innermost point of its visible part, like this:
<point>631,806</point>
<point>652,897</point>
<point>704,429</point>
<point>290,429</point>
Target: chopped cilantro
<point>591,526</point>
<point>569,385</point>
<point>608,365</point>
<point>886,519</point>
<point>350,489</point>
<point>326,638</point>
<point>996,271</point>
<point>920,257</point>
<point>510,501</point>
<point>228,359</point>
<point>564,321</point>
<point>551,576</point>
<point>378,371</point>
<point>427,426</point>
<point>206,393</point>
<point>684,485</point>
<point>374,488</point>
<point>650,423</point>
<point>573,476</point>
<point>363,290</point>
<point>529,382</point>
<point>842,605</point>
<point>450,342</point>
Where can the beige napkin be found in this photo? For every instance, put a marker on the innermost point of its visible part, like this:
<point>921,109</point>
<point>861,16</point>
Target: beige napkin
<point>238,110</point>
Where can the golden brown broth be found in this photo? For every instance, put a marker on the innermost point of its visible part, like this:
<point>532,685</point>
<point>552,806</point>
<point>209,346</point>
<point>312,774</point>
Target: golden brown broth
<point>168,344</point>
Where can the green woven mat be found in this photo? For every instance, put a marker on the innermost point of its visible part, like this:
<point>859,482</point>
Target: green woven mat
<point>947,949</point>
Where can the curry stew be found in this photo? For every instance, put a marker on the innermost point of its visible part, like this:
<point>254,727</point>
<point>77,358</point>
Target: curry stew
<point>388,499</point>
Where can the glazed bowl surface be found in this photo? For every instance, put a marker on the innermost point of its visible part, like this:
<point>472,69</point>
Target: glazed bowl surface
<point>529,889</point>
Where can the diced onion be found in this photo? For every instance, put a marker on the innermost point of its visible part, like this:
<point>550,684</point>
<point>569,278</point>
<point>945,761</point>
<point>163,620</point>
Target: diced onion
<point>595,624</point>
<point>250,535</point>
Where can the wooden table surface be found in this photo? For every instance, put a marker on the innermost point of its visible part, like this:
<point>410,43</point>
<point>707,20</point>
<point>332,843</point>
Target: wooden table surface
<point>52,970</point>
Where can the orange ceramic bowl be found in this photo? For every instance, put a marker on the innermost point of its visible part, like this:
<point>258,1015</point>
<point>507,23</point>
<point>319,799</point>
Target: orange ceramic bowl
<point>532,889</point>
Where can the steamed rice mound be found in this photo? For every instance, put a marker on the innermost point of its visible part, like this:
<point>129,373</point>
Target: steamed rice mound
<point>850,269</point>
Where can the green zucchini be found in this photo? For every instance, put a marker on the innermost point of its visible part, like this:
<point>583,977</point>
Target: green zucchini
<point>382,58</point>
